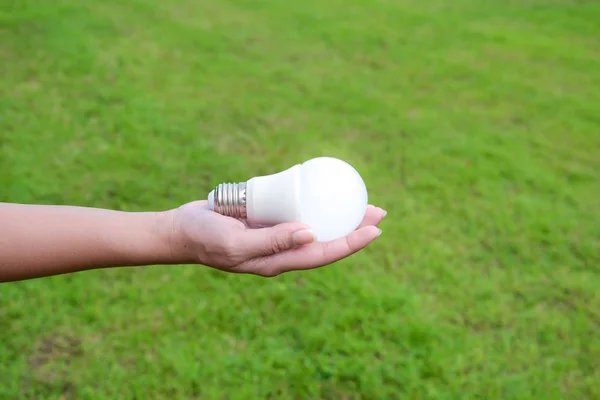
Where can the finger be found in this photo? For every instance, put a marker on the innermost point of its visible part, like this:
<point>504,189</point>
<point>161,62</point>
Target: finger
<point>314,255</point>
<point>272,240</point>
<point>373,216</point>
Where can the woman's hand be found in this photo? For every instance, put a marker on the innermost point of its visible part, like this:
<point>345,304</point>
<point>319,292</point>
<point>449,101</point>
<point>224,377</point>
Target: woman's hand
<point>43,240</point>
<point>202,236</point>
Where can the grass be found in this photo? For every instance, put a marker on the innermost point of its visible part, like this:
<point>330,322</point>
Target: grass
<point>476,125</point>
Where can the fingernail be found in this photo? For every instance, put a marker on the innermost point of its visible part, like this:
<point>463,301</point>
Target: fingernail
<point>306,236</point>
<point>384,212</point>
<point>379,232</point>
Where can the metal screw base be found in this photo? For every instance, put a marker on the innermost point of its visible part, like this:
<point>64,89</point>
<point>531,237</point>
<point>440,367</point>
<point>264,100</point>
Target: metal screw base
<point>229,199</point>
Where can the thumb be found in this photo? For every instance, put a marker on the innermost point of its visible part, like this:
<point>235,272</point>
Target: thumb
<point>267,241</point>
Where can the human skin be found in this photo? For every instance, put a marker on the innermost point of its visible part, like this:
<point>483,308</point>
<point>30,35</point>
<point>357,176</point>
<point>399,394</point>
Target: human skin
<point>44,240</point>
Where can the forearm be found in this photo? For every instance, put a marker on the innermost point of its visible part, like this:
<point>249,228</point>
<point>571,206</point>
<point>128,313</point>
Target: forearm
<point>37,240</point>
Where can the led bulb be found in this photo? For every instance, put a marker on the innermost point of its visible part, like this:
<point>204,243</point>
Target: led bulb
<point>324,193</point>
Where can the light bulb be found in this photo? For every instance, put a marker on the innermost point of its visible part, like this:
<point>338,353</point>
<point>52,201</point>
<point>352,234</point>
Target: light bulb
<point>324,193</point>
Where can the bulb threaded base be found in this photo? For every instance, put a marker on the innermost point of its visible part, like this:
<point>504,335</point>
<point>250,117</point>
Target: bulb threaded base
<point>229,199</point>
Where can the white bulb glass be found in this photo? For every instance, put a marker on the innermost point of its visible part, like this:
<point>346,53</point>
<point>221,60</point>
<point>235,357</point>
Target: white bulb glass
<point>325,193</point>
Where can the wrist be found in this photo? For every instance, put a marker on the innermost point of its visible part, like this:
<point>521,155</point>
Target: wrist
<point>169,236</point>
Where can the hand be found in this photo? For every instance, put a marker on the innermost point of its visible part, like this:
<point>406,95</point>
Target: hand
<point>205,237</point>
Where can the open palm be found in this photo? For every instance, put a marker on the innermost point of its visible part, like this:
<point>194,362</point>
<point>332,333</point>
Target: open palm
<point>233,245</point>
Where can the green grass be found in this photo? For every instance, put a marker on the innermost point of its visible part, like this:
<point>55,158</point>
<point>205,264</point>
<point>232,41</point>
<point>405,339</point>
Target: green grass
<point>475,124</point>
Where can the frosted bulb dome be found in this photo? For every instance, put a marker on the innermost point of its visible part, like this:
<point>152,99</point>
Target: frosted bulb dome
<point>325,193</point>
<point>333,198</point>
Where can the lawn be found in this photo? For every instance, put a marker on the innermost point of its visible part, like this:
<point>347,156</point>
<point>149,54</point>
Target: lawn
<point>476,125</point>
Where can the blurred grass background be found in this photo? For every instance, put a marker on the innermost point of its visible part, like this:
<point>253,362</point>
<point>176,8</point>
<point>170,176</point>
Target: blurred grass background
<point>475,124</point>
